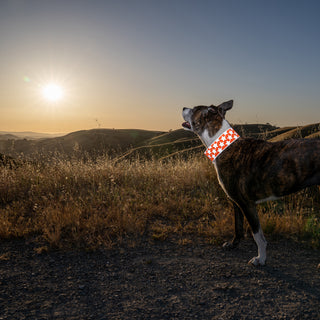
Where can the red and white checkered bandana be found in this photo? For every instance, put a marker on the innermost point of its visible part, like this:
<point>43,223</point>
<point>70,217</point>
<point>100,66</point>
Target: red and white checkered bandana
<point>222,143</point>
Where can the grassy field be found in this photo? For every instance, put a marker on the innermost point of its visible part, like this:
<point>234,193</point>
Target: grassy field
<point>71,203</point>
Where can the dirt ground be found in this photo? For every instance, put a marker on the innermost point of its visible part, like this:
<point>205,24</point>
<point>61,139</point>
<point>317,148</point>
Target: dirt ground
<point>160,280</point>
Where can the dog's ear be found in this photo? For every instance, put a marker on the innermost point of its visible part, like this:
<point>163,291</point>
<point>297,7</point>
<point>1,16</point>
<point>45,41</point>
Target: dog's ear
<point>225,106</point>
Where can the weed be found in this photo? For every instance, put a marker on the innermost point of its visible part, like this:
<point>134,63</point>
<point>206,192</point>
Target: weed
<point>312,229</point>
<point>87,204</point>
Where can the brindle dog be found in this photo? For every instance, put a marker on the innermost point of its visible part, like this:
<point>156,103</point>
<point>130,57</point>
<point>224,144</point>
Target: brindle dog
<point>252,171</point>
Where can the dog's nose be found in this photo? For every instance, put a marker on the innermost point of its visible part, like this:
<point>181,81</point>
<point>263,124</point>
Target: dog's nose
<point>184,109</point>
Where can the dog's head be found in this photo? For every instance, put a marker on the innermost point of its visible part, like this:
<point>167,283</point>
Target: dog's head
<point>202,118</point>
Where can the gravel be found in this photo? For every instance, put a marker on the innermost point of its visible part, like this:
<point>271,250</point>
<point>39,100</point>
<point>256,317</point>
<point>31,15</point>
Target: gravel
<point>160,280</point>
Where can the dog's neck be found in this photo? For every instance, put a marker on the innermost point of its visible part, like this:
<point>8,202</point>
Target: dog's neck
<point>207,140</point>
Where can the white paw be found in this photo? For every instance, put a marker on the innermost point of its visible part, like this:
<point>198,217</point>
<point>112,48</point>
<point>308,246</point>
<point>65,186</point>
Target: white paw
<point>257,261</point>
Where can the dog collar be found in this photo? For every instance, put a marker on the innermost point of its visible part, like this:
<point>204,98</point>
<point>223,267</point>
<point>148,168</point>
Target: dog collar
<point>222,143</point>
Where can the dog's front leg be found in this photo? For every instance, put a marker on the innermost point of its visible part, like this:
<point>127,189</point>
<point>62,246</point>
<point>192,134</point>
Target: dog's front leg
<point>262,246</point>
<point>252,216</point>
<point>238,228</point>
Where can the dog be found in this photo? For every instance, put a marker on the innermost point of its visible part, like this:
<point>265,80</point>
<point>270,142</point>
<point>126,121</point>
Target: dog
<point>252,171</point>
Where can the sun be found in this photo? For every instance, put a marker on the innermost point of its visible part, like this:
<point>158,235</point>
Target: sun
<point>52,92</point>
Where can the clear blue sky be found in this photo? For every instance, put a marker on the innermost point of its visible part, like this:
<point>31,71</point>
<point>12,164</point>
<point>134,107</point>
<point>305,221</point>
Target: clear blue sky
<point>136,63</point>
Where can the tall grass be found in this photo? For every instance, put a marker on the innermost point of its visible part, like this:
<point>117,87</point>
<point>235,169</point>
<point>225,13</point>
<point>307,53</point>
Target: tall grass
<point>74,203</point>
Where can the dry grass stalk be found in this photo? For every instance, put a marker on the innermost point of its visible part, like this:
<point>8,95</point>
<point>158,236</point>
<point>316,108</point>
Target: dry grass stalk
<point>71,203</point>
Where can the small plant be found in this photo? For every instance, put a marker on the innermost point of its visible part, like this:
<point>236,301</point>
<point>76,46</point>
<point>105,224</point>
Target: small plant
<point>312,229</point>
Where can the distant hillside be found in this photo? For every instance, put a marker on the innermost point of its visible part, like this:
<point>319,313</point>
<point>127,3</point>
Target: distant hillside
<point>4,135</point>
<point>315,135</point>
<point>93,142</point>
<point>183,143</point>
<point>162,150</point>
<point>273,133</point>
<point>181,135</point>
<point>8,136</point>
<point>132,143</point>
<point>308,131</point>
<point>173,136</point>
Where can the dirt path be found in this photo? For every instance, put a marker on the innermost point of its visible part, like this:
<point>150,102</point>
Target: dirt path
<point>159,281</point>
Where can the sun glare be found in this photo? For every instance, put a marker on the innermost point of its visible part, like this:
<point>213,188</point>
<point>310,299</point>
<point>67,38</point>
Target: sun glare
<point>52,92</point>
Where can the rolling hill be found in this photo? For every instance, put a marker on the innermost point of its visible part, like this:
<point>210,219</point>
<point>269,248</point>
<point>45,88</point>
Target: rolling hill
<point>94,142</point>
<point>4,135</point>
<point>8,136</point>
<point>132,143</point>
<point>309,131</point>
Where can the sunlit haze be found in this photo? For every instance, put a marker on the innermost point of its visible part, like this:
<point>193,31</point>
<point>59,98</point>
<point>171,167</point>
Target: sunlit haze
<point>52,92</point>
<point>71,65</point>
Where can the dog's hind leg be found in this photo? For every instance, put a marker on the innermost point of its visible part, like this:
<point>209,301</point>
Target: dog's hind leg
<point>238,228</point>
<point>238,225</point>
<point>251,214</point>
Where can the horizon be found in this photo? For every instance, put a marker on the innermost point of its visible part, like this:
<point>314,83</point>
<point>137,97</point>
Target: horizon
<point>78,65</point>
<point>3,132</point>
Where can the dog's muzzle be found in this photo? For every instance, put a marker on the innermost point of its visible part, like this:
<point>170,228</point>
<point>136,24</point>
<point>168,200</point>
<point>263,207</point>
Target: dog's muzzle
<point>187,114</point>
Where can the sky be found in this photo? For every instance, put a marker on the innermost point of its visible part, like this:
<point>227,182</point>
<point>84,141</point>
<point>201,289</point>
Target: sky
<point>137,63</point>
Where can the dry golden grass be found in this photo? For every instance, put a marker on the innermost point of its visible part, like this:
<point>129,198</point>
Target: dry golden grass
<point>71,203</point>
